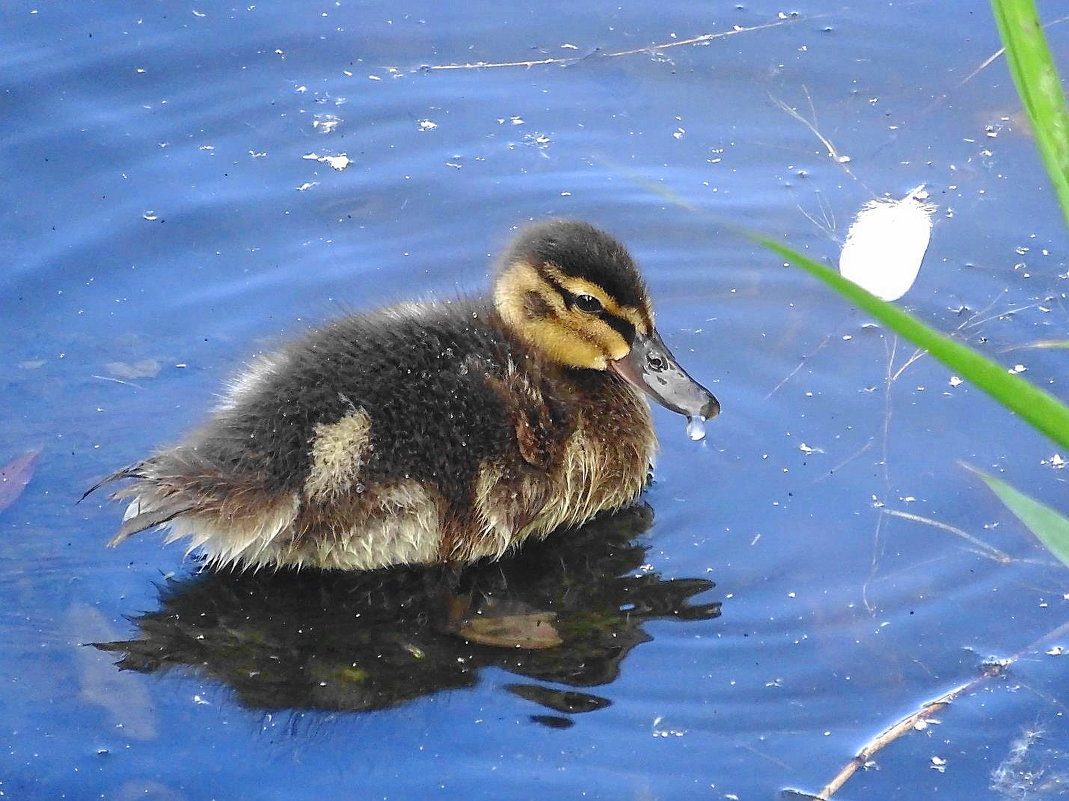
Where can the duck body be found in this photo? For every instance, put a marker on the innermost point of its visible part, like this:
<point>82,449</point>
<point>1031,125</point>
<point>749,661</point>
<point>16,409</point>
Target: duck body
<point>425,433</point>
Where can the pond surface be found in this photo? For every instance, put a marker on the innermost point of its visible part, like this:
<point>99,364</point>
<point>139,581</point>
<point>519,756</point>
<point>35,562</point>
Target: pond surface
<point>819,567</point>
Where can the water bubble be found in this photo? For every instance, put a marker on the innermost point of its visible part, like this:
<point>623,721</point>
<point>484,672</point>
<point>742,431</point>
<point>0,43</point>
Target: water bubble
<point>696,427</point>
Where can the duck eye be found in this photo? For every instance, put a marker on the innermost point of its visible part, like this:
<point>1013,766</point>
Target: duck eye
<point>588,303</point>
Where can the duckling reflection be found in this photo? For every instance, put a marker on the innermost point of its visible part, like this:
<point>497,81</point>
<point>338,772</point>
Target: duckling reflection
<point>363,641</point>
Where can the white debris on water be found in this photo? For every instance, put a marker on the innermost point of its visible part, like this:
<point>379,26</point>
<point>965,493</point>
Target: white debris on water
<point>886,244</point>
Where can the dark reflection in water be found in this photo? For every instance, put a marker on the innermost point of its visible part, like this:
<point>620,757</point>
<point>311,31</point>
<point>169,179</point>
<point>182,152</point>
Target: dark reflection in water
<point>362,641</point>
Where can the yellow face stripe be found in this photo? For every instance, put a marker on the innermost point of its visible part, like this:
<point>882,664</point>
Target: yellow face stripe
<point>641,319</point>
<point>535,310</point>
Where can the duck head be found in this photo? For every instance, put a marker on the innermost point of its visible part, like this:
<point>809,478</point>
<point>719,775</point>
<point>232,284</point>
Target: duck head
<point>573,292</point>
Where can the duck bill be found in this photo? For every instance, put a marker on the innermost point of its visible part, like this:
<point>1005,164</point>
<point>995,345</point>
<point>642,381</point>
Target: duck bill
<point>652,368</point>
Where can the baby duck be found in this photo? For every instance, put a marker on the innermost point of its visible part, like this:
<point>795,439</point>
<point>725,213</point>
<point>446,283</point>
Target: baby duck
<point>431,433</point>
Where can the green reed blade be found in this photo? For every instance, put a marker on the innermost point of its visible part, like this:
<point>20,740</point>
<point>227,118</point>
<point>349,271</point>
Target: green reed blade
<point>1040,409</point>
<point>1039,87</point>
<point>1049,526</point>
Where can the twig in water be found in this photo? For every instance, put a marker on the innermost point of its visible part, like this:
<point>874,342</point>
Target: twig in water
<point>566,62</point>
<point>1040,344</point>
<point>923,715</point>
<point>833,152</point>
<point>801,363</point>
<point>118,381</point>
<point>990,551</point>
<point>987,62</point>
<point>845,462</point>
<point>827,221</point>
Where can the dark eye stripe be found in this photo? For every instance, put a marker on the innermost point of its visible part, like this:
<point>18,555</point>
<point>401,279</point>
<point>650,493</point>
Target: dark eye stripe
<point>568,297</point>
<point>620,326</point>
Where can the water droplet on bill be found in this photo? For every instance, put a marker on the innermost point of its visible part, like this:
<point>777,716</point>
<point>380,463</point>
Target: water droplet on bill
<point>696,427</point>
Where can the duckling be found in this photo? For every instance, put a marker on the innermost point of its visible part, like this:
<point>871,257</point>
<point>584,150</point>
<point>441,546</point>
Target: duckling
<point>434,433</point>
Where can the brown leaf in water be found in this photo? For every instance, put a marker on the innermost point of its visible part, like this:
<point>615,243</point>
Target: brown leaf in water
<point>14,477</point>
<point>532,631</point>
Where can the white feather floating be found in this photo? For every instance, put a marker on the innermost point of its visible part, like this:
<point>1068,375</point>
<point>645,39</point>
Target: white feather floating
<point>886,244</point>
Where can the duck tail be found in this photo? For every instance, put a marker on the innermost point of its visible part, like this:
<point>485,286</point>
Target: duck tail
<point>131,471</point>
<point>152,516</point>
<point>148,509</point>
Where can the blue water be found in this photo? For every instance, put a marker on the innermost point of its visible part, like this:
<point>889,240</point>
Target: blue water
<point>156,235</point>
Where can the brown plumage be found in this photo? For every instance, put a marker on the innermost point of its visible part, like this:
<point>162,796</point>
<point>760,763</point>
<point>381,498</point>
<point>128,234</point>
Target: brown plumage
<point>435,433</point>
